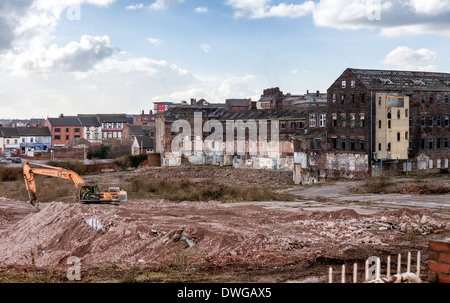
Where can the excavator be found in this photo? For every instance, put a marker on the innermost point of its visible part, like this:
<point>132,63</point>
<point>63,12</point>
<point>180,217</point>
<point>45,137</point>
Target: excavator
<point>86,192</point>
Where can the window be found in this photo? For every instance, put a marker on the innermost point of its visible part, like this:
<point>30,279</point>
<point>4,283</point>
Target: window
<point>334,143</point>
<point>7,141</point>
<point>322,120</point>
<point>430,121</point>
<point>423,121</point>
<point>283,125</point>
<point>362,97</point>
<point>431,143</point>
<point>398,114</point>
<point>447,99</point>
<point>423,143</point>
<point>447,121</point>
<point>379,101</point>
<point>389,147</point>
<point>424,98</point>
<point>379,146</point>
<point>31,140</point>
<point>57,137</point>
<point>67,130</point>
<point>406,135</point>
<point>352,144</point>
<point>439,98</point>
<point>342,98</point>
<point>57,130</point>
<point>411,144</point>
<point>23,140</point>
<point>362,120</point>
<point>406,113</point>
<point>343,144</point>
<point>352,83</point>
<point>439,121</point>
<point>334,98</point>
<point>312,121</point>
<point>317,143</point>
<point>361,144</point>
<point>379,123</point>
<point>353,98</point>
<point>343,84</point>
<point>67,137</point>
<point>410,121</point>
<point>334,121</point>
<point>343,121</point>
<point>447,143</point>
<point>352,121</point>
<point>389,124</point>
<point>389,115</point>
<point>439,143</point>
<point>398,137</point>
<point>77,130</point>
<point>431,98</point>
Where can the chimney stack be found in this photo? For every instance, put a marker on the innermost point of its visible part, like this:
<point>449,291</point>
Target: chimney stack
<point>61,116</point>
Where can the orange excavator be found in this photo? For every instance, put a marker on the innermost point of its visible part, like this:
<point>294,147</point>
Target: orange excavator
<point>85,192</point>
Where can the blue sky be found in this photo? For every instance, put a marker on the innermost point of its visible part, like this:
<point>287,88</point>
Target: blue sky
<point>113,56</point>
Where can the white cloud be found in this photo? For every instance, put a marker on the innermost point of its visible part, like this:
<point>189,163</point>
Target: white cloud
<point>135,6</point>
<point>405,58</point>
<point>206,47</point>
<point>164,4</point>
<point>256,9</point>
<point>74,57</point>
<point>155,41</point>
<point>430,7</point>
<point>201,10</point>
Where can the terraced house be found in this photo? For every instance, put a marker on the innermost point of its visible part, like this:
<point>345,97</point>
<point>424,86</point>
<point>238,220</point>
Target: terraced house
<point>399,118</point>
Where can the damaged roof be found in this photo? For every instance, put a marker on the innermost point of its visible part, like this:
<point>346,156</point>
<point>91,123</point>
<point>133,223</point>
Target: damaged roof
<point>403,80</point>
<point>178,113</point>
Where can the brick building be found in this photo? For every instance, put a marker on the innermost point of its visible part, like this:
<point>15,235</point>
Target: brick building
<point>64,129</point>
<point>399,118</point>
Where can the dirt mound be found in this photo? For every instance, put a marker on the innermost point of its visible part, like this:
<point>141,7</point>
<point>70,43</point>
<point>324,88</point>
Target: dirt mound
<point>163,233</point>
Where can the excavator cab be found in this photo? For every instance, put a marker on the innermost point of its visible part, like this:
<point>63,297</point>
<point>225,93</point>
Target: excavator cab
<point>88,192</point>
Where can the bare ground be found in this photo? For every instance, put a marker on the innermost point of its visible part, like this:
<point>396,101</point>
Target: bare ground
<point>153,240</point>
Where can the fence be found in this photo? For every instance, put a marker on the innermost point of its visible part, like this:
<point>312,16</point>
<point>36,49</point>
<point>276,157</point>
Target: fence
<point>373,271</point>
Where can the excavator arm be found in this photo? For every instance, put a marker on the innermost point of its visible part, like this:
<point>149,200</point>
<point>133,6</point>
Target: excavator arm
<point>45,170</point>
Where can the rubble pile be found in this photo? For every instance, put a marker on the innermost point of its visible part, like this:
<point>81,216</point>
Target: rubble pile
<point>154,232</point>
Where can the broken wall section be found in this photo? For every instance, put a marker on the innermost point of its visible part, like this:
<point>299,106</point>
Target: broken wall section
<point>314,167</point>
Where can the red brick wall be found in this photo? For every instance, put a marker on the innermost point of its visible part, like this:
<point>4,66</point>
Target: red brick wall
<point>439,261</point>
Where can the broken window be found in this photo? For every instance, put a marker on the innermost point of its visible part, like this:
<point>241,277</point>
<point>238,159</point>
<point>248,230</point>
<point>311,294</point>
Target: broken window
<point>334,121</point>
<point>343,141</point>
<point>352,121</point>
<point>362,120</point>
<point>352,83</point>
<point>322,120</point>
<point>343,84</point>
<point>343,121</point>
<point>312,121</point>
<point>334,98</point>
<point>352,144</point>
<point>439,98</point>
<point>361,144</point>
<point>342,98</point>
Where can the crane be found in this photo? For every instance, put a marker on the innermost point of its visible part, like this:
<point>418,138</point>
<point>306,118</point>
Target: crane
<point>86,192</point>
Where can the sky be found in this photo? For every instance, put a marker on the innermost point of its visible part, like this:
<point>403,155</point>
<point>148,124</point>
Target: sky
<point>117,56</point>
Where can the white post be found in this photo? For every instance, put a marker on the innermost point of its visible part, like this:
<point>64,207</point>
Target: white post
<point>408,265</point>
<point>343,274</point>
<point>355,273</point>
<point>367,271</point>
<point>378,268</point>
<point>399,264</point>
<point>418,263</point>
<point>330,275</point>
<point>388,272</point>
